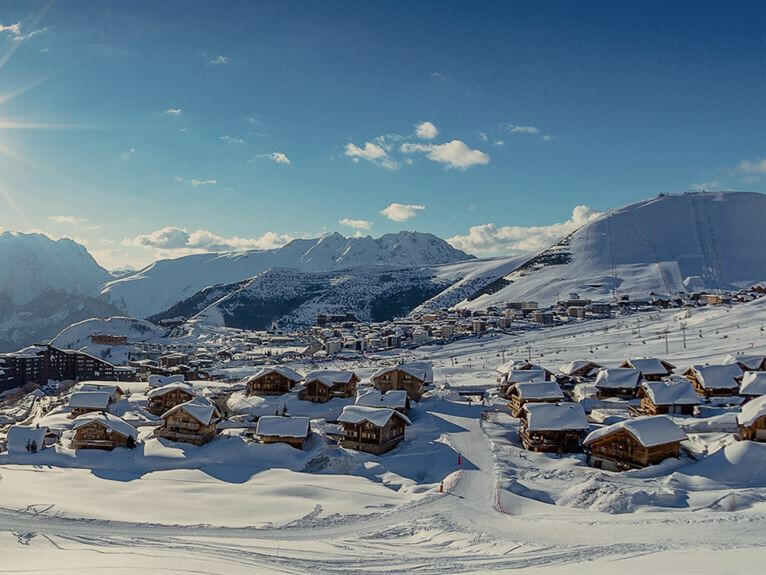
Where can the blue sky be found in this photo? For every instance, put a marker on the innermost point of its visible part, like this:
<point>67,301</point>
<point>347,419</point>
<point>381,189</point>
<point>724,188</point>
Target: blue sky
<point>152,130</point>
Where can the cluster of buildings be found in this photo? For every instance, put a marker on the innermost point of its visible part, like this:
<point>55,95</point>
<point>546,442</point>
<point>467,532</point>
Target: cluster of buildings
<point>554,407</point>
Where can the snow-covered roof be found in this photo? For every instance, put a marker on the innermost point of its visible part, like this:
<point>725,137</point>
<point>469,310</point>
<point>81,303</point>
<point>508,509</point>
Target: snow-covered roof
<point>749,361</point>
<point>112,388</point>
<point>648,431</point>
<point>422,370</point>
<point>160,391</point>
<point>575,366</point>
<point>378,416</point>
<point>752,410</point>
<point>675,392</point>
<point>275,425</point>
<point>328,377</point>
<point>555,416</point>
<point>539,390</point>
<point>160,380</point>
<point>28,352</point>
<point>525,375</point>
<point>650,366</point>
<point>282,370</point>
<point>111,422</point>
<point>516,363</point>
<point>393,399</point>
<point>618,378</point>
<point>90,399</point>
<point>753,383</point>
<point>19,436</point>
<point>718,376</point>
<point>200,408</point>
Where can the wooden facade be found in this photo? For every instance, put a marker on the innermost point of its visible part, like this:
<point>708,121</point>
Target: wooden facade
<point>398,379</point>
<point>296,442</point>
<point>709,391</point>
<point>552,441</point>
<point>516,403</point>
<point>366,436</point>
<point>755,431</point>
<point>620,451</point>
<point>270,383</point>
<point>182,427</point>
<point>96,435</point>
<point>159,404</point>
<point>318,392</point>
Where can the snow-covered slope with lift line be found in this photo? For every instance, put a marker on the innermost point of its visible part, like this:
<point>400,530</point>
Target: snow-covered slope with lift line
<point>668,244</point>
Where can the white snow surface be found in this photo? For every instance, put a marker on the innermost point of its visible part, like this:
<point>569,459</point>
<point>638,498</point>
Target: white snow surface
<point>562,416</point>
<point>276,425</point>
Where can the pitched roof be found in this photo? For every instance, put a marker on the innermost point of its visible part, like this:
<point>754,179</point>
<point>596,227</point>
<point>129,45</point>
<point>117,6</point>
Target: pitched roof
<point>111,422</point>
<point>160,380</point>
<point>378,416</point>
<point>516,363</point>
<point>618,378</point>
<point>650,366</point>
<point>575,366</point>
<point>539,390</point>
<point>749,361</point>
<point>752,410</point>
<point>718,376</point>
<point>200,408</point>
<point>526,375</point>
<point>648,431</point>
<point>422,370</point>
<point>90,399</point>
<point>20,435</point>
<point>674,392</point>
<point>328,377</point>
<point>112,388</point>
<point>275,425</point>
<point>555,416</point>
<point>282,370</point>
<point>160,391</point>
<point>393,399</point>
<point>753,383</point>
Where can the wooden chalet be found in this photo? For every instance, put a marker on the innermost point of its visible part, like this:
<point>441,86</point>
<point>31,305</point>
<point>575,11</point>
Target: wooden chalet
<point>634,443</point>
<point>533,392</point>
<point>192,422</point>
<point>82,402</point>
<point>273,380</point>
<point>102,431</point>
<point>553,427</point>
<point>158,380</point>
<point>161,399</point>
<point>293,431</point>
<point>521,376</point>
<point>651,368</point>
<point>753,384</point>
<point>114,390</point>
<point>667,397</point>
<point>396,399</point>
<point>715,380</point>
<point>322,386</point>
<point>747,362</point>
<point>372,429</point>
<point>752,420</point>
<point>412,377</point>
<point>580,369</point>
<point>619,382</point>
<point>26,438</point>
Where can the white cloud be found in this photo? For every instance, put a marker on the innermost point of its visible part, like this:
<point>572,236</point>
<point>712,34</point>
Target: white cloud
<point>128,154</point>
<point>175,239</point>
<point>220,61</point>
<point>68,220</point>
<point>401,212</point>
<point>490,239</point>
<point>498,143</point>
<point>709,186</point>
<point>276,157</point>
<point>356,224</point>
<point>514,129</point>
<point>173,112</point>
<point>454,154</point>
<point>230,140</point>
<point>195,182</point>
<point>372,153</point>
<point>752,166</point>
<point>17,34</point>
<point>426,131</point>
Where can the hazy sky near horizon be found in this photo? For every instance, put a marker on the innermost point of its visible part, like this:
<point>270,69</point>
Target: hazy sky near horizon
<point>155,129</point>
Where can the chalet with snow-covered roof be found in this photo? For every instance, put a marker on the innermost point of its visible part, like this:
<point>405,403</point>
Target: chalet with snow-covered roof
<point>26,438</point>
<point>553,427</point>
<point>532,392</point>
<point>278,429</point>
<point>372,429</point>
<point>114,390</point>
<point>634,443</point>
<point>396,399</point>
<point>192,422</point>
<point>753,384</point>
<point>580,369</point>
<point>651,368</point>
<point>747,362</point>
<point>715,380</point>
<point>322,386</point>
<point>619,382</point>
<point>102,431</point>
<point>157,380</point>
<point>676,397</point>
<point>161,399</point>
<point>412,377</point>
<point>752,420</point>
<point>536,375</point>
<point>82,402</point>
<point>273,380</point>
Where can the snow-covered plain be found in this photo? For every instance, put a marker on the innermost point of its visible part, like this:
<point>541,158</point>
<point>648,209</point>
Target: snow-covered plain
<point>237,507</point>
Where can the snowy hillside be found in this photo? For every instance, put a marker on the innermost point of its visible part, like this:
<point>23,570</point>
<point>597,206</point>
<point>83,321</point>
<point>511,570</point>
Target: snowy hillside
<point>44,286</point>
<point>295,298</point>
<point>701,240</point>
<point>167,282</point>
